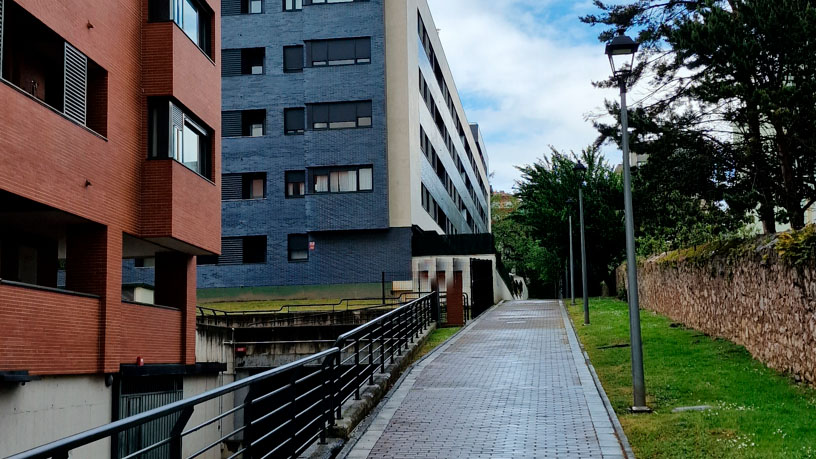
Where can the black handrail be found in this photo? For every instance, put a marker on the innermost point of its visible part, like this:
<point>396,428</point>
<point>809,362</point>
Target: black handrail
<point>400,299</point>
<point>286,408</point>
<point>393,331</point>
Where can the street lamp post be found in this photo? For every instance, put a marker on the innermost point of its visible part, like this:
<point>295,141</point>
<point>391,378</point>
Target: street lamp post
<point>621,52</point>
<point>580,168</point>
<point>570,202</point>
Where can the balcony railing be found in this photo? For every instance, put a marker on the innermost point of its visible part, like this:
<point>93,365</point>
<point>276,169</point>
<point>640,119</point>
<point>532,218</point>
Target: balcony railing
<point>285,409</point>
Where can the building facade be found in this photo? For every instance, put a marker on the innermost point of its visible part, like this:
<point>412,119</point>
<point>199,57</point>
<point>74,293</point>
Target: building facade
<point>109,152</point>
<point>343,134</point>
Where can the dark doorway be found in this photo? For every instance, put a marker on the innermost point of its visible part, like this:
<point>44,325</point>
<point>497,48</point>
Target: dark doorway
<point>481,285</point>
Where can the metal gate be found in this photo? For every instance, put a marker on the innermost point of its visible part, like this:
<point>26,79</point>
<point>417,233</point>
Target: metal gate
<point>481,285</point>
<point>141,394</point>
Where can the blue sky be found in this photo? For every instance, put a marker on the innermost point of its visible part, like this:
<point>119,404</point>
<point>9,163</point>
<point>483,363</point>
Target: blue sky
<point>524,71</point>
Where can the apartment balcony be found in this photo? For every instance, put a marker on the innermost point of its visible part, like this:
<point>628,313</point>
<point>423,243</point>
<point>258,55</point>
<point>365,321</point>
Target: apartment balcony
<point>181,209</point>
<point>173,65</point>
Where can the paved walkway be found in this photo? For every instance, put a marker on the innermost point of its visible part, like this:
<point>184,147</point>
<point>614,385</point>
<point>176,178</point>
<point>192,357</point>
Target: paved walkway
<point>514,384</point>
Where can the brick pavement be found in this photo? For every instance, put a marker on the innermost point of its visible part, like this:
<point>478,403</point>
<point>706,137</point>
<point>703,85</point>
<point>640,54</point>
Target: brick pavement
<point>514,384</point>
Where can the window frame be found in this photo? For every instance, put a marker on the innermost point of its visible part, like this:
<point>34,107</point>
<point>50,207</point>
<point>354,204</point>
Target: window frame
<point>297,5</point>
<point>289,249</point>
<point>327,172</point>
<point>287,181</point>
<point>161,148</point>
<point>286,129</point>
<point>321,113</point>
<point>362,56</point>
<point>288,69</point>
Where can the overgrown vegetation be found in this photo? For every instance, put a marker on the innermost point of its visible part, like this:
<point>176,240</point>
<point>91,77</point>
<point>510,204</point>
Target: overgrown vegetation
<point>756,412</point>
<point>798,248</point>
<point>436,338</point>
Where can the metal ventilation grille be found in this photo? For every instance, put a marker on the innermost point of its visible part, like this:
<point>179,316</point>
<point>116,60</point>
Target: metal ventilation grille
<point>76,86</point>
<point>231,186</point>
<point>230,62</point>
<point>231,124</point>
<point>232,251</point>
<point>230,7</point>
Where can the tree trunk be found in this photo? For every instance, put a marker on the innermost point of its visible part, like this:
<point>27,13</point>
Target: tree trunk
<point>791,199</point>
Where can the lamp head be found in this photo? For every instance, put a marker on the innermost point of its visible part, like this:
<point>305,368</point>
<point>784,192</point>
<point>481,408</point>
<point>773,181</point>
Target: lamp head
<point>580,168</point>
<point>621,52</point>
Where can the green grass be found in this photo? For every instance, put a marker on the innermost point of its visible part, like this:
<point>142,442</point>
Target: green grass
<point>758,412</point>
<point>295,305</point>
<point>437,337</point>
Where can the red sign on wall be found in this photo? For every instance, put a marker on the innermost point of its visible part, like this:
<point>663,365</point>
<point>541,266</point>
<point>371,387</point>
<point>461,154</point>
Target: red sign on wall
<point>311,245</point>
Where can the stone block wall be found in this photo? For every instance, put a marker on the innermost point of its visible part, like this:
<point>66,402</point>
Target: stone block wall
<point>751,297</point>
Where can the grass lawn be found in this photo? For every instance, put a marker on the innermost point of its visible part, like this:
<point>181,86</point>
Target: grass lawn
<point>437,337</point>
<point>296,305</point>
<point>757,412</point>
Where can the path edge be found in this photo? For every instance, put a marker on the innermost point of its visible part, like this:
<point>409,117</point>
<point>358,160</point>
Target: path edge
<point>363,426</point>
<point>613,417</point>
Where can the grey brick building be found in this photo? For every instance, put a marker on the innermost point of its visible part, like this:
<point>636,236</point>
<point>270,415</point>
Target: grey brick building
<point>343,135</point>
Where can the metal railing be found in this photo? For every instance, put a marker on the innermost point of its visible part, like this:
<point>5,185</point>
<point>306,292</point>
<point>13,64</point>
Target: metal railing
<point>345,304</point>
<point>368,346</point>
<point>285,409</point>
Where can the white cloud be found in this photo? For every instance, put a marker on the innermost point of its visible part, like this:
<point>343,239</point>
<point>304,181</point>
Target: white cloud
<point>524,71</point>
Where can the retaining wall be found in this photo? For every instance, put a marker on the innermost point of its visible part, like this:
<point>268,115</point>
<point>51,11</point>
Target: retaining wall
<point>748,295</point>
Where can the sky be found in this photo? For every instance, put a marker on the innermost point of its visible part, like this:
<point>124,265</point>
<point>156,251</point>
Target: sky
<point>524,71</point>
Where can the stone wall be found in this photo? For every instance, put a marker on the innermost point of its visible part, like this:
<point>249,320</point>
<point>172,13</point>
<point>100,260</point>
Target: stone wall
<point>747,295</point>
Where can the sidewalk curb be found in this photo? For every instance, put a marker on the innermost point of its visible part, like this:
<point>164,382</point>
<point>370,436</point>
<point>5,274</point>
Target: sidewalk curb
<point>613,417</point>
<point>364,425</point>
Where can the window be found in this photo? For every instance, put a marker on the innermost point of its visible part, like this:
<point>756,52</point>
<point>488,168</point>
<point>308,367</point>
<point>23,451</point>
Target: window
<point>243,186</point>
<point>293,121</point>
<point>341,115</point>
<point>246,123</point>
<point>40,63</point>
<point>254,6</point>
<point>145,262</point>
<point>343,180</point>
<point>192,16</point>
<point>344,51</point>
<point>238,250</point>
<point>292,5</point>
<point>295,184</point>
<point>323,2</point>
<point>234,7</point>
<point>298,247</point>
<point>247,61</point>
<point>175,134</point>
<point>293,59</point>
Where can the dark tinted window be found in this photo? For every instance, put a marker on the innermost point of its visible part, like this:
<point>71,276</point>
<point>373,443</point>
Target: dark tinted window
<point>292,59</point>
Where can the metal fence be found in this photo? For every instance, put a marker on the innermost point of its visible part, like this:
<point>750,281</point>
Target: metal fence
<point>286,409</point>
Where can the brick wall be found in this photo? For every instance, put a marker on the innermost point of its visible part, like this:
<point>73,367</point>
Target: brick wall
<point>52,160</point>
<point>341,256</point>
<point>49,333</point>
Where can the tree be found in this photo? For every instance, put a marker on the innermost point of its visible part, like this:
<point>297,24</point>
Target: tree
<point>740,76</point>
<point>543,191</point>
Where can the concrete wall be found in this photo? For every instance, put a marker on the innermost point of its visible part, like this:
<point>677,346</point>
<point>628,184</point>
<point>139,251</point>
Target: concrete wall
<point>53,408</point>
<point>750,297</point>
<point>196,385</point>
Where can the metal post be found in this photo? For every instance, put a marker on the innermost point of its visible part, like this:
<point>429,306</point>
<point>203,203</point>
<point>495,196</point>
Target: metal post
<point>583,255</point>
<point>572,257</point>
<point>638,383</point>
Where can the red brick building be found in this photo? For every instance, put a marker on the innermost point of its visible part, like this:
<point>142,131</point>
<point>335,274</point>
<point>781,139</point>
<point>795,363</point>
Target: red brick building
<point>109,151</point>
